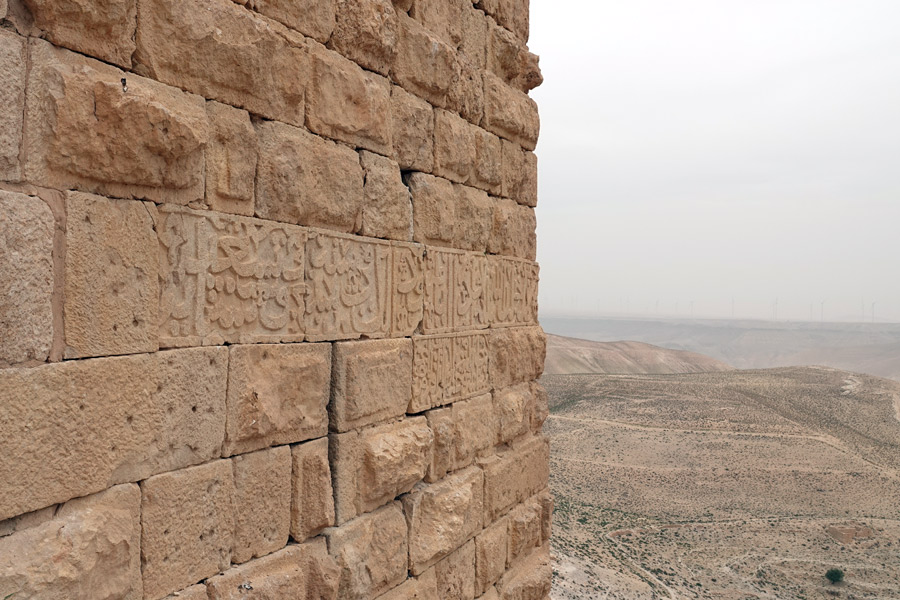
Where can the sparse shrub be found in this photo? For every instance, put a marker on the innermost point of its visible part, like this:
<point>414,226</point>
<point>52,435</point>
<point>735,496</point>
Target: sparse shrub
<point>834,576</point>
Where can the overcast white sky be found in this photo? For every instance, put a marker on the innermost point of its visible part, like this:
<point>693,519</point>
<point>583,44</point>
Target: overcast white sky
<point>704,150</point>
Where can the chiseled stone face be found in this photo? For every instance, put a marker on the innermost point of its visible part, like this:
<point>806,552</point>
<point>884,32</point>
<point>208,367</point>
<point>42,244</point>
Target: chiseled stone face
<point>491,546</point>
<point>366,32</point>
<point>455,286</point>
<point>434,209</point>
<point>387,207</point>
<point>407,305</point>
<point>516,355</point>
<point>455,575</point>
<point>312,500</point>
<point>524,529</point>
<point>474,213</point>
<point>519,174</point>
<point>425,65</point>
<point>512,409</point>
<point>230,160</point>
<point>461,431</point>
<point>530,580</point>
<point>12,98</point>
<point>447,368</point>
<point>262,502</point>
<point>513,230</point>
<point>313,18</point>
<point>412,123</point>
<point>423,587</point>
<point>454,147</point>
<point>510,113</point>
<point>512,292</point>
<point>507,482</point>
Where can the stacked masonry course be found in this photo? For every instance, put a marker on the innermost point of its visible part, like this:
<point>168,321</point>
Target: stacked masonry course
<point>268,322</point>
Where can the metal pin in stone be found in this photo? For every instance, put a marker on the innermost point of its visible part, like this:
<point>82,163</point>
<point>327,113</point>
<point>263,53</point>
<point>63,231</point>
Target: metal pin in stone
<point>124,85</point>
<point>245,586</point>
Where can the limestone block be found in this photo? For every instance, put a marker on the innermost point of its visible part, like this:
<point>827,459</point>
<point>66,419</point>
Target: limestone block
<point>102,29</point>
<point>455,291</point>
<point>307,180</point>
<point>473,45</point>
<point>503,53</point>
<point>372,382</point>
<point>524,529</point>
<point>447,368</point>
<point>510,113</point>
<point>488,171</point>
<point>195,592</point>
<point>12,98</point>
<point>513,230</point>
<point>223,52</point>
<point>519,174</point>
<point>111,286</point>
<point>440,420</point>
<point>442,17</point>
<point>26,277</point>
<point>461,432</point>
<point>371,552</point>
<point>408,289</point>
<point>512,287</point>
<point>434,209</point>
<point>530,580</point>
<point>346,103</point>
<point>454,147</point>
<point>312,18</point>
<point>515,475</point>
<point>512,409</point>
<point>230,160</point>
<point>425,65</point>
<point>491,594</point>
<point>120,419</point>
<point>95,128</point>
<point>443,516</point>
<point>187,526</point>
<point>226,278</point>
<point>491,546</point>
<point>312,500</point>
<point>540,406</point>
<point>277,394</point>
<point>455,575</point>
<point>373,466</point>
<point>412,131</point>
<point>474,217</point>
<point>366,32</point>
<point>262,502</point>
<point>89,549</point>
<point>387,206</point>
<point>516,355</point>
<point>3,8</point>
<point>423,587</point>
<point>467,93</point>
<point>511,14</point>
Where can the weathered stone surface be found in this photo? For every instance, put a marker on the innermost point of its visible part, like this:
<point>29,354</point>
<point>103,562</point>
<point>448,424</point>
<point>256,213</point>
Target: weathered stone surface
<point>26,278</point>
<point>225,278</point>
<point>111,286</point>
<point>515,475</point>
<point>510,113</point>
<point>346,103</point>
<point>373,466</point>
<point>474,215</point>
<point>434,209</point>
<point>516,355</point>
<point>372,382</point>
<point>195,592</point>
<point>491,546</point>
<point>512,291</point>
<point>513,230</point>
<point>12,98</point>
<point>441,17</point>
<point>454,147</point>
<point>512,409</point>
<point>461,432</point>
<point>546,500</point>
<point>307,180</point>
<point>366,32</point>
<point>312,500</point>
<point>540,406</point>
<point>407,305</point>
<point>511,14</point>
<point>491,594</point>
<point>530,580</point>
<point>371,552</point>
<point>230,160</point>
<point>120,419</point>
<point>187,526</point>
<point>277,394</point>
<point>488,172</point>
<point>103,29</point>
<point>473,45</point>
<point>443,516</point>
<point>524,529</point>
<point>519,174</point>
<point>440,420</point>
<point>448,368</point>
<point>425,65</point>
<point>89,549</point>
<point>222,52</point>
<point>509,59</point>
<point>88,130</point>
<point>313,18</point>
<point>455,575</point>
<point>387,206</point>
<point>262,502</point>
<point>423,587</point>
<point>412,131</point>
<point>455,286</point>
<point>467,94</point>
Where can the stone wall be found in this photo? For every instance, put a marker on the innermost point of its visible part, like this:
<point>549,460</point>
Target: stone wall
<point>268,322</point>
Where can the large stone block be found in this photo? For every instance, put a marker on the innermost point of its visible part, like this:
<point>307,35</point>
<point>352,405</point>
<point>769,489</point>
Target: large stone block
<point>467,93</point>
<point>510,113</point>
<point>408,289</point>
<point>514,475</point>
<point>425,65</point>
<point>223,52</point>
<point>366,31</point>
<point>12,98</point>
<point>304,179</point>
<point>102,29</point>
<point>473,45</point>
<point>512,286</point>
<point>89,549</point>
<point>387,206</point>
<point>371,552</point>
<point>312,18</point>
<point>443,516</point>
<point>26,278</point>
<point>442,17</point>
<point>519,174</point>
<point>231,279</point>
<point>455,286</point>
<point>372,382</point>
<point>120,419</point>
<point>92,127</point>
<point>516,355</point>
<point>474,214</point>
<point>312,500</point>
<point>461,432</point>
<point>448,368</point>
<point>111,286</point>
<point>513,409</point>
<point>511,14</point>
<point>491,546</point>
<point>530,580</point>
<point>373,466</point>
<point>454,147</point>
<point>262,502</point>
<point>524,529</point>
<point>187,527</point>
<point>513,232</point>
<point>230,160</point>
<point>423,587</point>
<point>434,209</point>
<point>412,123</point>
<point>455,575</point>
<point>277,394</point>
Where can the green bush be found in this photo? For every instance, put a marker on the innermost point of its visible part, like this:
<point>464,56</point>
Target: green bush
<point>834,575</point>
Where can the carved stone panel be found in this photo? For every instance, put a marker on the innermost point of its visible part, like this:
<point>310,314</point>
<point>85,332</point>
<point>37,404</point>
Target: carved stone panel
<point>455,298</point>
<point>512,292</point>
<point>447,368</point>
<point>408,289</point>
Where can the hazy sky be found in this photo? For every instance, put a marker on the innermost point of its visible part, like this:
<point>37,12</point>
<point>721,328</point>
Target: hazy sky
<point>704,150</point>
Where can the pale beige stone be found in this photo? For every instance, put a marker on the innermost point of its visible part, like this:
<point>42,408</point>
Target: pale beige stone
<point>524,529</point>
<point>510,113</point>
<point>546,500</point>
<point>412,123</point>
<point>90,548</point>
<point>454,147</point>
<point>111,286</point>
<point>512,286</point>
<point>27,520</point>
<point>371,552</point>
<point>312,500</point>
<point>503,53</point>
<point>88,130</point>
<point>529,580</point>
<point>425,65</point>
<point>434,209</point>
<point>277,394</point>
<point>519,174</point>
<point>540,406</point>
<point>346,103</point>
<point>441,17</point>
<point>103,29</point>
<point>461,432</point>
<point>120,419</point>
<point>513,230</point>
<point>313,18</point>
<point>490,594</point>
<point>440,420</point>
<point>456,286</point>
<point>195,592</point>
<point>371,382</point>
<point>366,32</point>
<point>466,96</point>
<point>262,502</point>
<point>474,217</point>
<point>488,170</point>
<point>187,527</point>
<point>511,14</point>
<point>222,52</point>
<point>408,281</point>
<point>12,98</point>
<point>455,575</point>
<point>373,466</point>
<point>387,205</point>
<point>512,408</point>
<point>516,355</point>
<point>473,45</point>
<point>514,475</point>
<point>307,180</point>
<point>443,516</point>
<point>447,368</point>
<point>26,278</point>
<point>491,546</point>
<point>230,160</point>
<point>423,587</point>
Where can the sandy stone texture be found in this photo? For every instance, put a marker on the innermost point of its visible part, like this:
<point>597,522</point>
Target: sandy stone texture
<point>455,575</point>
<point>454,147</point>
<point>262,502</point>
<point>461,432</point>
<point>426,66</point>
<point>510,113</point>
<point>187,524</point>
<point>512,286</point>
<point>90,548</point>
<point>111,285</point>
<point>313,18</point>
<point>513,230</point>
<point>447,368</point>
<point>455,292</point>
<point>513,409</point>
<point>12,97</point>
<point>515,475</point>
<point>519,174</point>
<point>516,355</point>
<point>441,17</point>
<point>530,580</point>
<point>26,278</point>
<point>387,206</point>
<point>423,587</point>
<point>195,592</point>
<point>474,212</point>
<point>277,394</point>
<point>524,529</point>
<point>434,209</point>
<point>511,14</point>
<point>312,499</point>
<point>230,160</point>
<point>366,32</point>
<point>408,280</point>
<point>491,547</point>
<point>412,131</point>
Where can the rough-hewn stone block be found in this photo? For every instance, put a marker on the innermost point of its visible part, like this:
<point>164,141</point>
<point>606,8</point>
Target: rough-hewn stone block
<point>277,394</point>
<point>111,286</point>
<point>455,575</point>
<point>441,17</point>
<point>434,209</point>
<point>262,502</point>
<point>26,278</point>
<point>513,232</point>
<point>524,529</point>
<point>474,215</point>
<point>230,160</point>
<point>366,32</point>
<point>461,432</point>
<point>510,113</point>
<point>120,419</point>
<point>467,93</point>
<point>530,580</point>
<point>90,548</point>
<point>511,14</point>
<point>454,147</point>
<point>187,527</point>
<point>408,289</point>
<point>12,98</point>
<point>372,382</point>
<point>455,286</point>
<point>313,18</point>
<point>516,355</point>
<point>95,128</point>
<point>512,409</point>
<point>312,500</point>
<point>448,368</point>
<point>440,420</point>
<point>412,131</point>
<point>512,291</point>
<point>546,500</point>
<point>519,174</point>
<point>387,206</point>
<point>423,587</point>
<point>491,546</point>
<point>514,475</point>
<point>473,45</point>
<point>425,65</point>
